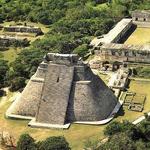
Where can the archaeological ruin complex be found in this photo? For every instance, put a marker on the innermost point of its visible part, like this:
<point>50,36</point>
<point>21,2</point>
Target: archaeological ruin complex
<point>109,48</point>
<point>62,91</point>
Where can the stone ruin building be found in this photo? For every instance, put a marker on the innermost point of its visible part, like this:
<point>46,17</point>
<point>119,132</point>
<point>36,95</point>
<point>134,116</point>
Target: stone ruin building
<point>143,15</point>
<point>23,29</point>
<point>115,34</point>
<point>123,53</point>
<point>111,53</point>
<point>7,41</point>
<point>62,91</point>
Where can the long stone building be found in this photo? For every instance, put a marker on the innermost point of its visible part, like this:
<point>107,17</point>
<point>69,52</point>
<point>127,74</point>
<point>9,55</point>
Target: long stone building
<point>62,91</point>
<point>25,29</point>
<point>123,53</point>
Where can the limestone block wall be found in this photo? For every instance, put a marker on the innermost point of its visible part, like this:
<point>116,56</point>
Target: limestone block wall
<point>123,56</point>
<point>40,73</point>
<point>122,33</point>
<point>66,59</point>
<point>29,100</point>
<point>115,34</point>
<point>27,105</point>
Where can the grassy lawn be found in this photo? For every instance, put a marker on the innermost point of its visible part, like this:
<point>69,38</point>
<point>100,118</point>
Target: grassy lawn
<point>141,87</point>
<point>104,77</point>
<point>11,54</point>
<point>139,36</point>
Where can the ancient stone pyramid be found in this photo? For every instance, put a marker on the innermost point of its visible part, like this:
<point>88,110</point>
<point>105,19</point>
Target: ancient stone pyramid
<point>63,90</point>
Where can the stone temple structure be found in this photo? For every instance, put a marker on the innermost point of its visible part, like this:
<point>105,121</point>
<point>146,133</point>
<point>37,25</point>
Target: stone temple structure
<point>63,90</point>
<point>143,15</point>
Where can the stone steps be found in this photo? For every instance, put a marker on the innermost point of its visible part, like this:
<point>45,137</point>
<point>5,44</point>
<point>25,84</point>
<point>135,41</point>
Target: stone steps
<point>55,95</point>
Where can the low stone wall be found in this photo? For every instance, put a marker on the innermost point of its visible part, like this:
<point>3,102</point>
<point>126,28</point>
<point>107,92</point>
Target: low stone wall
<point>25,29</point>
<point>6,41</point>
<point>142,24</point>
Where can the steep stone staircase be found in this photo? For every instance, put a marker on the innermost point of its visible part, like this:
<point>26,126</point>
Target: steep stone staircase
<point>56,90</point>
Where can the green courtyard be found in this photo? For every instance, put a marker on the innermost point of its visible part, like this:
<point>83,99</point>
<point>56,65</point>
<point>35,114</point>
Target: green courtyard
<point>139,36</point>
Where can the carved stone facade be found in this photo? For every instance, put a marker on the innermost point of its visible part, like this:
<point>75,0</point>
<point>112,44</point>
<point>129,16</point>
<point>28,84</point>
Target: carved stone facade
<point>123,53</point>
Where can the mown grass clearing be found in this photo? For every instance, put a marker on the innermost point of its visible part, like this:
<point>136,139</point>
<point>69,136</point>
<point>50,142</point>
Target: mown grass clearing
<point>139,36</point>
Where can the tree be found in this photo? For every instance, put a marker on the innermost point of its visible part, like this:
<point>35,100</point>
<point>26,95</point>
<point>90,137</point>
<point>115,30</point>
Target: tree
<point>81,50</point>
<point>119,141</point>
<point>113,128</point>
<point>131,130</point>
<point>26,142</point>
<point>17,83</point>
<point>3,71</point>
<point>27,62</point>
<point>54,143</point>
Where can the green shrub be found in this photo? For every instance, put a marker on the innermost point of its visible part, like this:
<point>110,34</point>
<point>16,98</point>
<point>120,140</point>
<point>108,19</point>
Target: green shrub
<point>26,142</point>
<point>54,143</point>
<point>17,83</point>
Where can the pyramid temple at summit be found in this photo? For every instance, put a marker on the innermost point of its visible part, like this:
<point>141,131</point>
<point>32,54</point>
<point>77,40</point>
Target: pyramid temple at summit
<point>63,90</point>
